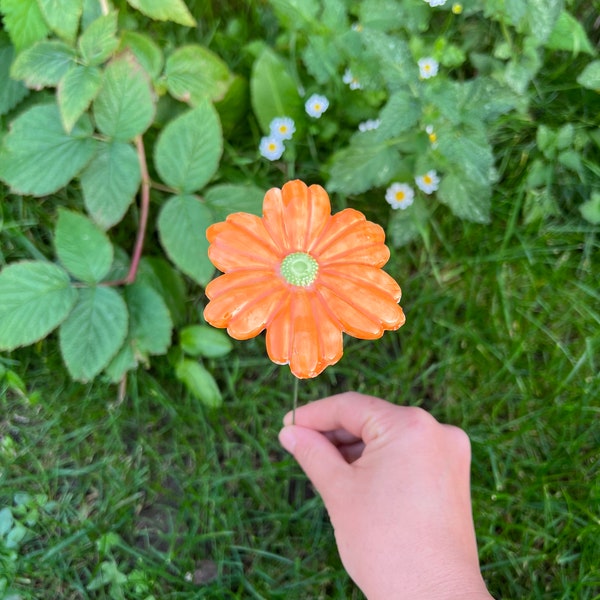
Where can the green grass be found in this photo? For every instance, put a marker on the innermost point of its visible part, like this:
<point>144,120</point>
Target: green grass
<point>501,339</point>
<point>174,501</point>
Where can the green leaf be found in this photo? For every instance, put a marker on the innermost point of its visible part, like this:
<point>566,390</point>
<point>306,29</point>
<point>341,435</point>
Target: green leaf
<point>93,333</point>
<point>401,112</point>
<point>162,277</point>
<point>466,199</point>
<point>62,16</point>
<point>542,16</point>
<point>38,157</point>
<point>35,297</point>
<point>360,167</point>
<point>188,149</point>
<point>200,383</point>
<point>589,77</point>
<point>273,91</point>
<point>24,22</point>
<point>110,182</point>
<point>182,225</point>
<point>398,66</point>
<point>125,106</point>
<point>193,73</point>
<point>295,14</point>
<point>202,340</point>
<point>569,34</point>
<point>229,198</point>
<point>75,93</point>
<point>124,361</point>
<point>145,50</point>
<point>99,40</point>
<point>406,225</point>
<point>83,249</point>
<point>590,210</point>
<point>11,91</point>
<point>43,64</point>
<point>150,324</point>
<point>165,10</point>
<point>322,59</point>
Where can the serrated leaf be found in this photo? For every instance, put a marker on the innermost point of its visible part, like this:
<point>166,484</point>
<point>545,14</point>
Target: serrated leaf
<point>406,225</point>
<point>322,59</point>
<point>401,112</point>
<point>94,331</point>
<point>161,276</point>
<point>62,16</point>
<point>466,199</point>
<point>568,34</point>
<point>590,76</point>
<point>145,50</point>
<point>24,22</point>
<point>182,225</point>
<point>165,10</point>
<point>150,324</point>
<point>75,93</point>
<point>125,105</point>
<point>229,198</point>
<point>99,40</point>
<point>542,16</point>
<point>35,297</point>
<point>110,182</point>
<point>189,148</point>
<point>43,64</point>
<point>193,73</point>
<point>398,67</point>
<point>11,91</point>
<point>200,383</point>
<point>83,249</point>
<point>124,361</point>
<point>273,92</point>
<point>38,157</point>
<point>360,167</point>
<point>202,340</point>
<point>295,13</point>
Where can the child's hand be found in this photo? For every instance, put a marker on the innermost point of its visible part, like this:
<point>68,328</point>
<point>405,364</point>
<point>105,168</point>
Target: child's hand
<point>396,485</point>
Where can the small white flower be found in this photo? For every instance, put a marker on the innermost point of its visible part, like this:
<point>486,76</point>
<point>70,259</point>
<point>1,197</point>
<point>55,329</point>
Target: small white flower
<point>399,195</point>
<point>352,82</point>
<point>316,105</point>
<point>357,27</point>
<point>271,147</point>
<point>432,135</point>
<point>428,67</point>
<point>436,2</point>
<point>282,128</point>
<point>429,182</point>
<point>369,125</point>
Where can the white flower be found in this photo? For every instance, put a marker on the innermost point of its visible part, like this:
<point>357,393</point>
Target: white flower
<point>432,135</point>
<point>428,67</point>
<point>436,2</point>
<point>369,125</point>
<point>271,147</point>
<point>351,80</point>
<point>282,128</point>
<point>429,182</point>
<point>399,195</point>
<point>316,105</point>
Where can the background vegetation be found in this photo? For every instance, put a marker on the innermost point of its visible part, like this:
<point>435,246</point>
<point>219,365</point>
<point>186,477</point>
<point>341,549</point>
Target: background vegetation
<point>152,478</point>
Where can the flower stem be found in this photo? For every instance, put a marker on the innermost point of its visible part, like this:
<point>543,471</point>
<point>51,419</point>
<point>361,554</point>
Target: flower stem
<point>294,400</point>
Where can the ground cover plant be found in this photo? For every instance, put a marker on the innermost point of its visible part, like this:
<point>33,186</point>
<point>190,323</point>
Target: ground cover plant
<point>138,452</point>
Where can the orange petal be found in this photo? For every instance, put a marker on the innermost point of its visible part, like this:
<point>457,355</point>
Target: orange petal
<point>375,305</point>
<point>220,311</point>
<point>367,275</point>
<point>349,237</point>
<point>229,257</point>
<point>304,335</point>
<point>225,283</point>
<point>274,219</point>
<point>254,226</point>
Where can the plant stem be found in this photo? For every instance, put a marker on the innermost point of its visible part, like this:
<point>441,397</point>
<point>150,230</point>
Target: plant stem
<point>294,400</point>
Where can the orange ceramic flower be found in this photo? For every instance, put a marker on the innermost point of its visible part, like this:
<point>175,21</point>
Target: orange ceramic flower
<point>303,275</point>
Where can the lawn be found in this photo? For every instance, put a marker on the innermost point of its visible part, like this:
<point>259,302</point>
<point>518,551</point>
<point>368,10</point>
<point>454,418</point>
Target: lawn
<point>144,492</point>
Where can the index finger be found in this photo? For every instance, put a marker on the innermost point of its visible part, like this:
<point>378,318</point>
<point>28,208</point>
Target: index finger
<point>362,416</point>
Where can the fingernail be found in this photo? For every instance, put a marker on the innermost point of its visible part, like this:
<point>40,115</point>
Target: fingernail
<point>287,439</point>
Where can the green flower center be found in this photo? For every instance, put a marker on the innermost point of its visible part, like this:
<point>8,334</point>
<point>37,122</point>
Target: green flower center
<point>299,269</point>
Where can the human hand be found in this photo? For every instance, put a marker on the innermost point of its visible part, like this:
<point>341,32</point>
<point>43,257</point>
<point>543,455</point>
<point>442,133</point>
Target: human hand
<point>396,486</point>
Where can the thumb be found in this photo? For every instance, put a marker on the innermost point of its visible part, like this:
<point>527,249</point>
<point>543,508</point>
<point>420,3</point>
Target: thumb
<point>318,457</point>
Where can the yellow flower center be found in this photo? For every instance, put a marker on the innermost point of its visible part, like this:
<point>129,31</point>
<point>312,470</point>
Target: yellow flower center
<point>427,179</point>
<point>400,195</point>
<point>299,269</point>
<point>432,138</point>
<point>457,8</point>
<point>272,146</point>
<point>317,106</point>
